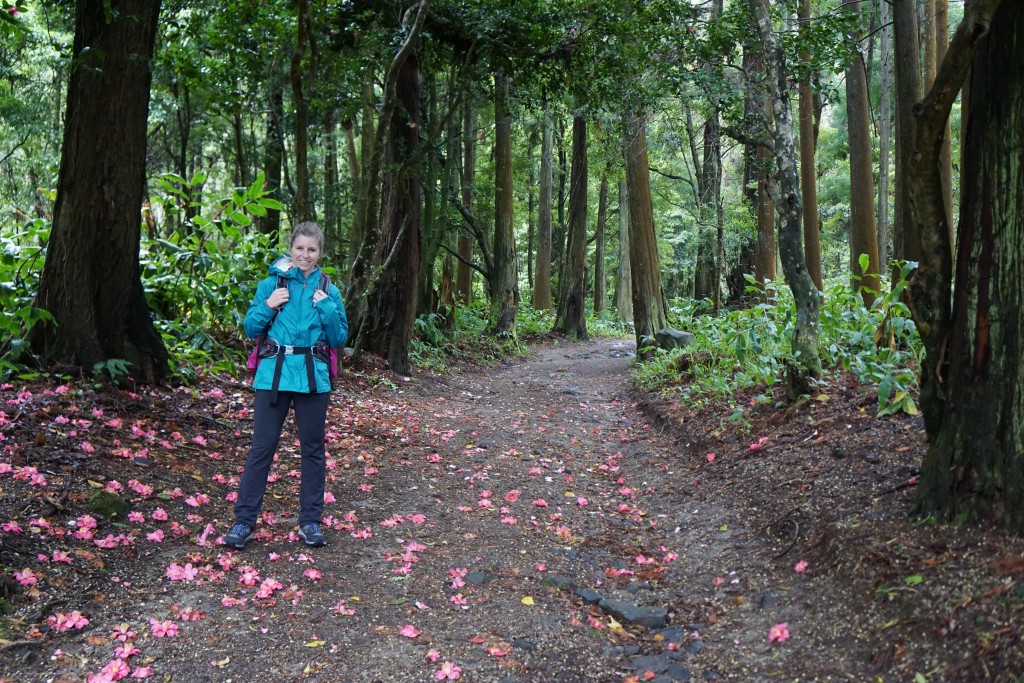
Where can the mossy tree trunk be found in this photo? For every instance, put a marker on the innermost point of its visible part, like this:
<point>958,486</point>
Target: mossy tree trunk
<point>805,364</point>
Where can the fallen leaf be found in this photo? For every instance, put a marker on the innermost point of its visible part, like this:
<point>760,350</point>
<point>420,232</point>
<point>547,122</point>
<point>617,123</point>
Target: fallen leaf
<point>316,643</point>
<point>1011,564</point>
<point>527,600</point>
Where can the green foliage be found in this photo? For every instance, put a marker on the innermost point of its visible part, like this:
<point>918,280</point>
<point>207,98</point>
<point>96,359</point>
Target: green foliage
<point>20,261</point>
<point>744,348</point>
<point>112,368</point>
<point>199,280</point>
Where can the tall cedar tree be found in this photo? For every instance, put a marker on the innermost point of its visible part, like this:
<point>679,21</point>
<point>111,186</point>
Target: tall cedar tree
<point>863,236</point>
<point>542,273</point>
<point>600,283</point>
<point>90,281</point>
<point>928,294</point>
<point>808,172</point>
<point>649,314</point>
<point>624,281</point>
<point>463,273</point>
<point>391,299</point>
<point>572,318</point>
<point>975,465</point>
<point>504,275</point>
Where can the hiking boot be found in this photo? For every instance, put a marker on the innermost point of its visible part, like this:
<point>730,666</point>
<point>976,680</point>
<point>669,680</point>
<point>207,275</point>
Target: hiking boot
<point>239,535</point>
<point>311,535</point>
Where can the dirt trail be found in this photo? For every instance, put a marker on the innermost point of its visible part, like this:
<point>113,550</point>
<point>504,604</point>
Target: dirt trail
<point>526,523</point>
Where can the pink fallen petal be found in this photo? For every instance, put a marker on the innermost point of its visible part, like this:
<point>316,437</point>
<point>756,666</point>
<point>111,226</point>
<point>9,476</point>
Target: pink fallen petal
<point>778,633</point>
<point>409,631</point>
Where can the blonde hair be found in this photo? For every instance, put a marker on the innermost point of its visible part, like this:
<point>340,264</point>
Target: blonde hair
<point>308,229</point>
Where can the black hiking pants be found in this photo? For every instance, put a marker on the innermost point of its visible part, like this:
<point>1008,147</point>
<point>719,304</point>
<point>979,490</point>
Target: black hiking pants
<point>311,421</point>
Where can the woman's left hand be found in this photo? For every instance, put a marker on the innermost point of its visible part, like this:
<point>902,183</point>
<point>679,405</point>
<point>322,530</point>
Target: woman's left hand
<point>318,296</point>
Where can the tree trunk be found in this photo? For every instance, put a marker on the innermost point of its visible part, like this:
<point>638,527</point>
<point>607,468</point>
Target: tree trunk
<point>431,230</point>
<point>504,276</point>
<point>808,172</point>
<point>805,363</point>
<point>272,155</point>
<point>332,189</point>
<point>884,134</point>
<point>572,316</point>
<point>600,286</point>
<point>391,300</point>
<point>863,237</point>
<point>373,144</point>
<point>303,35</point>
<point>649,315</point>
<point>705,284</point>
<point>974,469</point>
<point>91,282</point>
<point>558,230</point>
<point>363,205</point>
<point>940,45</point>
<point>928,294</point>
<point>463,273</point>
<point>757,104</point>
<point>531,219</point>
<point>906,243</point>
<point>542,277</point>
<point>624,284</point>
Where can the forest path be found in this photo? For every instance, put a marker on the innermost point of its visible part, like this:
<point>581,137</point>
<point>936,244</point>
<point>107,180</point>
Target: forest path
<point>536,556</point>
<point>536,521</point>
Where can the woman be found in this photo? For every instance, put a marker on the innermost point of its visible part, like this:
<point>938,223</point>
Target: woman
<point>300,322</point>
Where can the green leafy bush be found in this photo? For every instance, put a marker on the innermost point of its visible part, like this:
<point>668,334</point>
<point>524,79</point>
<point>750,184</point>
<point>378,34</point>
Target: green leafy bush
<point>745,348</point>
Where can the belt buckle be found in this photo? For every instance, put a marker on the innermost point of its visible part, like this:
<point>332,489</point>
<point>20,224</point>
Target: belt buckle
<point>289,350</point>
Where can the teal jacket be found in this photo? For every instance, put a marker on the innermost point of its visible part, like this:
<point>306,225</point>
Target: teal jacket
<point>299,323</point>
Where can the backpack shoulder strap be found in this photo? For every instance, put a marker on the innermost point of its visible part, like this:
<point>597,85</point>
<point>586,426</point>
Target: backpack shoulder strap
<point>325,283</point>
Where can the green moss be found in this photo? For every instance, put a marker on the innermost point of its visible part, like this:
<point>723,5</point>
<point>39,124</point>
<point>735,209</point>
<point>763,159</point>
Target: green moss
<point>109,505</point>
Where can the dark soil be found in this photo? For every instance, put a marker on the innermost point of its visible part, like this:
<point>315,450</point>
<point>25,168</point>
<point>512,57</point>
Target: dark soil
<point>534,522</point>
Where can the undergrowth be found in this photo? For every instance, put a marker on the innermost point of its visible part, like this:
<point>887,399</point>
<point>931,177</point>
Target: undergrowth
<point>745,348</point>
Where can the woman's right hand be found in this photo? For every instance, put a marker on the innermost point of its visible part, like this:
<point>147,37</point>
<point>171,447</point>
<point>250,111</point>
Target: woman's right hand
<point>278,298</point>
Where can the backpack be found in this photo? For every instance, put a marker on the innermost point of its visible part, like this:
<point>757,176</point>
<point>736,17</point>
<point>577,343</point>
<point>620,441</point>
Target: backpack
<point>254,359</point>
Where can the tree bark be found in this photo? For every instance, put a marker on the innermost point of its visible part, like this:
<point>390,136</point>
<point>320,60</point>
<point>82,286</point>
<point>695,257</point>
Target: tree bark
<point>863,237</point>
<point>463,273</point>
<point>391,300</point>
<point>805,363</point>
<point>974,469</point>
<point>273,155</point>
<point>706,285</point>
<point>649,314</point>
<point>906,244</point>
<point>928,294</point>
<point>624,283</point>
<point>884,133</point>
<point>759,157</point>
<point>542,272</point>
<point>303,36</point>
<point>808,172</point>
<point>373,143</point>
<point>91,282</point>
<point>504,276</point>
<point>941,44</point>
<point>572,316</point>
<point>600,285</point>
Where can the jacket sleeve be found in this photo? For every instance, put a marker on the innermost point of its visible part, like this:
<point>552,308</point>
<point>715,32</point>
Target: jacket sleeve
<point>259,314</point>
<point>332,317</point>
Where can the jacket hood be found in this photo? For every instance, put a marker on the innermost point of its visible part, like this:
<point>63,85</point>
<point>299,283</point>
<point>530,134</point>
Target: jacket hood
<point>282,266</point>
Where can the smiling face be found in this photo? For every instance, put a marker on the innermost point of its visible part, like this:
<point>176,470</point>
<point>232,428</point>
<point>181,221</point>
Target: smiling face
<point>305,253</point>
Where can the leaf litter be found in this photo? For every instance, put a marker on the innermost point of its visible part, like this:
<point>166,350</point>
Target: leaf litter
<point>536,521</point>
